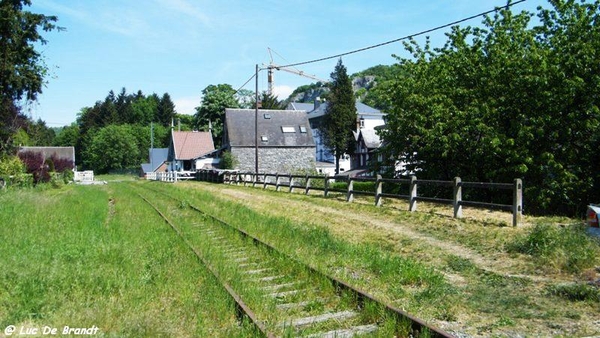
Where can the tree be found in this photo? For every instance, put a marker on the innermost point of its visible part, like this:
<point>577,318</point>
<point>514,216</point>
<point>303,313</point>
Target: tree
<point>212,109</point>
<point>339,119</point>
<point>22,70</point>
<point>165,111</point>
<point>113,147</point>
<point>68,136</point>
<point>269,101</point>
<point>506,101</point>
<point>245,98</point>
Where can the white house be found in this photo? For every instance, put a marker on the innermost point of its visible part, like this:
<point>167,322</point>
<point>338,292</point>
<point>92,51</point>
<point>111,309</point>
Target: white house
<point>367,118</point>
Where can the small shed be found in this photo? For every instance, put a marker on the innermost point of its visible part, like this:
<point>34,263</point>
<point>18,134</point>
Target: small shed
<point>191,150</point>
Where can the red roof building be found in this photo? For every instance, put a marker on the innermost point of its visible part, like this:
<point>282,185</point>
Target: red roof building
<point>188,148</point>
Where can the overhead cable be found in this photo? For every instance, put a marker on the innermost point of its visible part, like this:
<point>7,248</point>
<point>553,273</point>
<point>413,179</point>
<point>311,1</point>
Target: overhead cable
<point>404,37</point>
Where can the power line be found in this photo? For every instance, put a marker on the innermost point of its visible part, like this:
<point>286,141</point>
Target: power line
<point>404,37</point>
<point>245,83</point>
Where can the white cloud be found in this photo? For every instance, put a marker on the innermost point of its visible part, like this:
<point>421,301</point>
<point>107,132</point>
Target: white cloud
<point>282,92</point>
<point>187,105</point>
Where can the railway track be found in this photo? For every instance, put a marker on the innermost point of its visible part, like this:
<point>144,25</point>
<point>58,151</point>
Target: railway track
<point>281,296</point>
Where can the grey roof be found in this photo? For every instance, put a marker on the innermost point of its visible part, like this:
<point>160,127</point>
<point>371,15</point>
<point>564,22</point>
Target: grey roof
<point>60,152</point>
<point>147,168</point>
<point>157,156</point>
<point>301,106</point>
<point>371,139</point>
<point>239,124</point>
<point>361,109</point>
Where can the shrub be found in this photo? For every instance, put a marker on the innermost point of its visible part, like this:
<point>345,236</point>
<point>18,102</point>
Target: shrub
<point>228,161</point>
<point>35,164</point>
<point>61,164</point>
<point>11,165</point>
<point>566,248</point>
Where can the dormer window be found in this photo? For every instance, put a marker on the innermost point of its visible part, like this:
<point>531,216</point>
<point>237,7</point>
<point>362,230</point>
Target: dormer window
<point>267,116</point>
<point>287,129</point>
<point>302,129</point>
<point>264,138</point>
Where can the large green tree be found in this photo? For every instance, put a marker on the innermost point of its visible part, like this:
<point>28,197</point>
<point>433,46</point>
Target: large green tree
<point>22,70</point>
<point>215,98</point>
<point>508,100</point>
<point>339,120</point>
<point>112,147</point>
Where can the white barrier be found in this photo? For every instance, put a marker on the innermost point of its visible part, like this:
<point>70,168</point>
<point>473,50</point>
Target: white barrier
<point>84,176</point>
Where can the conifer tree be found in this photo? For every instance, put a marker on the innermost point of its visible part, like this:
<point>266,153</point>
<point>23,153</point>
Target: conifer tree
<point>340,115</point>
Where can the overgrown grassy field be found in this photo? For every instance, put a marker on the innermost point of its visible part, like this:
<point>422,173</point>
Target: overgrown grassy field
<point>481,278</point>
<point>86,256</point>
<point>98,255</point>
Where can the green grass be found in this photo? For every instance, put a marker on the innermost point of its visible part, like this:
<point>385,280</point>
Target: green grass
<point>563,248</point>
<point>315,245</point>
<point>96,255</point>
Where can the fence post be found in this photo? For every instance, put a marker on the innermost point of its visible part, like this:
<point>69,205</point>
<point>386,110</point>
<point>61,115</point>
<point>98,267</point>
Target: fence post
<point>291,183</point>
<point>276,181</point>
<point>517,208</point>
<point>413,194</point>
<point>378,191</point>
<point>307,185</point>
<point>326,185</point>
<point>349,194</point>
<point>457,198</point>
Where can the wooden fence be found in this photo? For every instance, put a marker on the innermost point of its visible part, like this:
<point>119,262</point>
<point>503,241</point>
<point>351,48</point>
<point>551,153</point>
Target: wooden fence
<point>306,183</point>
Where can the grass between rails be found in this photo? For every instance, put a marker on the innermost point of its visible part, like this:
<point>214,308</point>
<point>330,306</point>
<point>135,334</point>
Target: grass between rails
<point>492,290</point>
<point>96,255</point>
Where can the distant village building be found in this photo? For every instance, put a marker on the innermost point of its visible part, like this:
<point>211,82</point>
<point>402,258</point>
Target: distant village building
<point>191,150</point>
<point>367,118</point>
<point>285,139</point>
<point>157,158</point>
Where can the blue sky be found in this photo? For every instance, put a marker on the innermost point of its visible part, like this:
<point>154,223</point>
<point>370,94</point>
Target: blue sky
<point>182,46</point>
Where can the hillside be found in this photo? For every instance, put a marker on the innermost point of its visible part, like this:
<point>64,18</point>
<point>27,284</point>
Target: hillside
<point>362,83</point>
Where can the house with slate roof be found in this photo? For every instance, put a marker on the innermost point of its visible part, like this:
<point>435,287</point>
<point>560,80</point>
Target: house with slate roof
<point>285,140</point>
<point>191,150</point>
<point>367,118</point>
<point>158,161</point>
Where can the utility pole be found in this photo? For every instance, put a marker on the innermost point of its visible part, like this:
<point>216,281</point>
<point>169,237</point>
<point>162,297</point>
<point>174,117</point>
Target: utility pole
<point>151,145</point>
<point>256,123</point>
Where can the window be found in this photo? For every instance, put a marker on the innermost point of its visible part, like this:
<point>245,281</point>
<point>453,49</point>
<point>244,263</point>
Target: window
<point>302,129</point>
<point>288,129</point>
<point>264,138</point>
<point>267,116</point>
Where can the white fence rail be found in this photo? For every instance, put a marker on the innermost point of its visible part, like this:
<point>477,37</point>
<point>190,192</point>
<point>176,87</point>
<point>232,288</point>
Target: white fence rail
<point>163,176</point>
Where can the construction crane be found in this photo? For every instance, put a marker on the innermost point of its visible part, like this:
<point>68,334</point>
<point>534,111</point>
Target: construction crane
<point>272,66</point>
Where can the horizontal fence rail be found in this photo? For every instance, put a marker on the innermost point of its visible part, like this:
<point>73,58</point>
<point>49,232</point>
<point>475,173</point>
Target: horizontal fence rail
<point>309,182</point>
